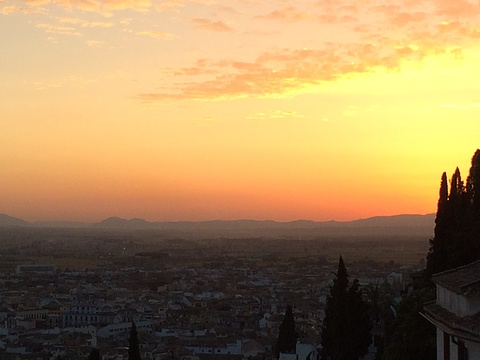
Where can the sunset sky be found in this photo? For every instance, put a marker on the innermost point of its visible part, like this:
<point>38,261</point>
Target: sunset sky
<point>234,109</point>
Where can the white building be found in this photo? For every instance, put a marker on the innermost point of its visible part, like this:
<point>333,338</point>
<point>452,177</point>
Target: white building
<point>215,347</point>
<point>456,313</point>
<point>115,329</point>
<point>36,268</point>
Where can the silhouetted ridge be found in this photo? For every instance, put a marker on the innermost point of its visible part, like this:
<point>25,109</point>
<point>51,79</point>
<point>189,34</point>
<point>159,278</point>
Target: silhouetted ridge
<point>6,220</point>
<point>119,223</point>
<point>396,220</point>
<point>377,221</point>
<point>401,225</point>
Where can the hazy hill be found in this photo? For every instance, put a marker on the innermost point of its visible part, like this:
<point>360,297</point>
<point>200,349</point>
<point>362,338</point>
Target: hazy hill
<point>6,220</point>
<point>118,223</point>
<point>397,220</point>
<point>59,224</point>
<point>398,225</point>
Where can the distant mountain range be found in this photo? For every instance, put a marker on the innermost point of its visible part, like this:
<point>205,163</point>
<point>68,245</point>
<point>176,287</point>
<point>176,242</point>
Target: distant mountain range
<point>6,220</point>
<point>397,225</point>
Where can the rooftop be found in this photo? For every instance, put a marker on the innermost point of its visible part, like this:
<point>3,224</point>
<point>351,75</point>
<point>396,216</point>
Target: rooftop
<point>465,327</point>
<point>461,280</point>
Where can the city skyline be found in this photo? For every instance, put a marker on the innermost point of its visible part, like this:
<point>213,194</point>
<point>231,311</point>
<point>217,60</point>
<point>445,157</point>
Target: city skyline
<point>203,110</point>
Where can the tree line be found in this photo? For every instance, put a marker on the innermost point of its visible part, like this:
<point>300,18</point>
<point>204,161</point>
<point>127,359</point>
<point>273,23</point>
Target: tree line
<point>456,240</point>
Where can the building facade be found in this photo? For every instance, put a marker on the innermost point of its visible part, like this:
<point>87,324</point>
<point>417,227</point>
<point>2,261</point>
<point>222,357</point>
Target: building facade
<point>456,313</point>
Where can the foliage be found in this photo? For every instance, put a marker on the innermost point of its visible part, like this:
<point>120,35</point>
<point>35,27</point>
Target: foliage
<point>287,336</point>
<point>346,327</point>
<point>413,337</point>
<point>381,305</point>
<point>360,327</point>
<point>456,239</point>
<point>133,347</point>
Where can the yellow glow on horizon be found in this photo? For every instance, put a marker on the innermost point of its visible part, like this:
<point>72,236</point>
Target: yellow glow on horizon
<point>196,111</point>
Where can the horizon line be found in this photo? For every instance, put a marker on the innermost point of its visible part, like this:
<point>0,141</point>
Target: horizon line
<point>214,220</point>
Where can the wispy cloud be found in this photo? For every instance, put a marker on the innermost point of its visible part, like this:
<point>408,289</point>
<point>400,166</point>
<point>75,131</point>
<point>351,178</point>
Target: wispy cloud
<point>402,19</point>
<point>344,38</point>
<point>61,27</point>
<point>277,73</point>
<point>11,10</point>
<point>14,9</point>
<point>456,9</point>
<point>69,20</point>
<point>85,23</point>
<point>205,24</point>
<point>102,24</point>
<point>59,30</point>
<point>292,14</point>
<point>169,5</point>
<point>275,114</point>
<point>105,7</point>
<point>157,34</point>
<point>95,43</point>
<point>380,36</point>
<point>287,13</point>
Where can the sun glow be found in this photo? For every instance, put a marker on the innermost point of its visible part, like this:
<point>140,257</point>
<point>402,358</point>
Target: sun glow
<point>193,111</point>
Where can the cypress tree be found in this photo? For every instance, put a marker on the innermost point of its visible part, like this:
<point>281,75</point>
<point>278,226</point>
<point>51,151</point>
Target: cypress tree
<point>133,347</point>
<point>346,327</point>
<point>472,216</point>
<point>334,324</point>
<point>438,245</point>
<point>287,336</point>
<point>361,326</point>
<point>456,239</point>
<point>473,182</point>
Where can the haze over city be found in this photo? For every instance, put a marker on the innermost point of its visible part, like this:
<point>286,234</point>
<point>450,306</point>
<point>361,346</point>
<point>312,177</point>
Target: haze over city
<point>202,109</point>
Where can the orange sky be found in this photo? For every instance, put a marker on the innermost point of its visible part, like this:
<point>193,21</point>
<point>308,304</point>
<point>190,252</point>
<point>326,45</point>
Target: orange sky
<point>206,109</point>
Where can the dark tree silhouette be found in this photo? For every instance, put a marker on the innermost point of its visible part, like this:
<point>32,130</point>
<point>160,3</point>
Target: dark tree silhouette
<point>439,243</point>
<point>456,240</point>
<point>473,217</point>
<point>413,337</point>
<point>346,327</point>
<point>473,182</point>
<point>94,355</point>
<point>382,313</point>
<point>361,327</point>
<point>335,322</point>
<point>133,346</point>
<point>287,336</point>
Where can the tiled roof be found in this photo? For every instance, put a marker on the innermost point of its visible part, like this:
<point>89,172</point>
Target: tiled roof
<point>461,280</point>
<point>469,325</point>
